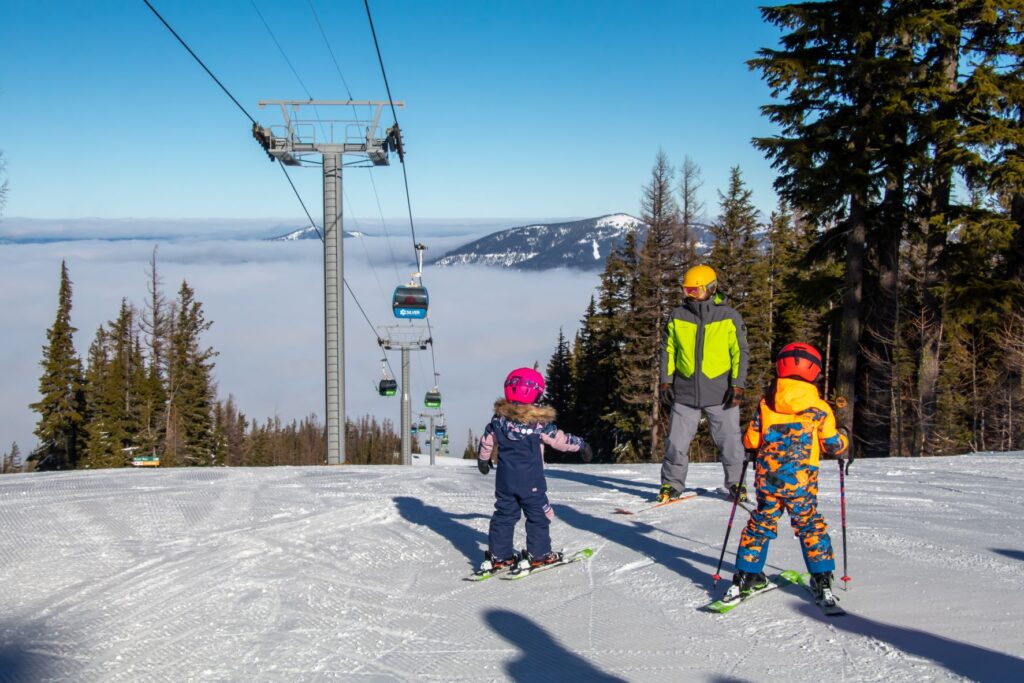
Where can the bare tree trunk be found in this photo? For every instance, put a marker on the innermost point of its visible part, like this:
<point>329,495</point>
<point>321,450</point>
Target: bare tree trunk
<point>935,225</point>
<point>849,341</point>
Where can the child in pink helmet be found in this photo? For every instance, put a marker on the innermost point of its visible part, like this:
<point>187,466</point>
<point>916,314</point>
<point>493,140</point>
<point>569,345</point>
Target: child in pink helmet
<point>521,429</point>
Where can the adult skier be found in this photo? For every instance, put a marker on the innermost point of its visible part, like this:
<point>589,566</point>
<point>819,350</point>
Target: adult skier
<point>703,369</point>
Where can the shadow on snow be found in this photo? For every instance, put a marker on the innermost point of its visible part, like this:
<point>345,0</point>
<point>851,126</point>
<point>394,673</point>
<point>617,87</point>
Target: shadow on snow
<point>971,661</point>
<point>465,538</point>
<point>542,657</point>
<point>635,536</point>
<point>1012,554</point>
<point>603,481</point>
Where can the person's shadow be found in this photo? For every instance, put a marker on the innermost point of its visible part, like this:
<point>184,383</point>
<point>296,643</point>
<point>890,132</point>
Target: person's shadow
<point>970,661</point>
<point>465,538</point>
<point>634,535</point>
<point>1012,554</point>
<point>22,658</point>
<point>603,481</point>
<point>543,658</point>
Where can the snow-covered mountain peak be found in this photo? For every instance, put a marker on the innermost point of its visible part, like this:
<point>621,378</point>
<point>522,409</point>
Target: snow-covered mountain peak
<point>583,244</point>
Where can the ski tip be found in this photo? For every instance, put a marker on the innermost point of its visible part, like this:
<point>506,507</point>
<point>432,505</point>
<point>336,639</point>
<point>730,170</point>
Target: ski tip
<point>586,552</point>
<point>622,511</point>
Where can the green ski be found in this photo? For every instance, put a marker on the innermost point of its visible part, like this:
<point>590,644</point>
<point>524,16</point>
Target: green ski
<point>578,556</point>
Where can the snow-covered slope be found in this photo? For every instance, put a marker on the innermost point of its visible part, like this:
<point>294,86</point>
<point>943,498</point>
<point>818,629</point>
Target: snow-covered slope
<point>355,573</point>
<point>583,244</point>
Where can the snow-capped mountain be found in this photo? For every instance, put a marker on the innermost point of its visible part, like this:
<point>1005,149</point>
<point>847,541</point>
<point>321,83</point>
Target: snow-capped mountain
<point>583,244</point>
<point>309,233</point>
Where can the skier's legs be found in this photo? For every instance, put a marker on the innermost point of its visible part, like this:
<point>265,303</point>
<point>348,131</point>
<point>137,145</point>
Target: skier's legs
<point>812,531</point>
<point>725,430</point>
<point>760,530</point>
<point>682,428</point>
<point>503,525</point>
<point>538,537</point>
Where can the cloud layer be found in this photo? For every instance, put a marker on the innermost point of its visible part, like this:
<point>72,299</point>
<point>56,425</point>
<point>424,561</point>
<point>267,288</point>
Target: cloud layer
<point>266,302</point>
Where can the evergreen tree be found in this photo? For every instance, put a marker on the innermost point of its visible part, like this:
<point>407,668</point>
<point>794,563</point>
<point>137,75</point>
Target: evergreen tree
<point>655,292</point>
<point>691,208</point>
<point>190,436</point>
<point>61,405</point>
<point>829,72</point>
<point>558,389</point>
<point>115,386</point>
<point>589,380</point>
<point>472,444</point>
<point>155,325</point>
<point>12,460</point>
<point>102,436</point>
<point>734,246</point>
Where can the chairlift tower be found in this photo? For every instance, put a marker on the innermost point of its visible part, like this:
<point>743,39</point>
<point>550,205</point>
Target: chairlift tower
<point>405,339</point>
<point>304,134</point>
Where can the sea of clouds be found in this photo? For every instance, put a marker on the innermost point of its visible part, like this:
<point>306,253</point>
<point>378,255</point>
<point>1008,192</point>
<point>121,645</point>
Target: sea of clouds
<point>266,303</point>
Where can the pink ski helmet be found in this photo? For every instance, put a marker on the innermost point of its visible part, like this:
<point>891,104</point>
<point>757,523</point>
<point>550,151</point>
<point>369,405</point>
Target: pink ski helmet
<point>524,385</point>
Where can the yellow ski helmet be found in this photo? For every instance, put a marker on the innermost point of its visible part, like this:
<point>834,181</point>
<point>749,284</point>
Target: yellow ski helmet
<point>700,282</point>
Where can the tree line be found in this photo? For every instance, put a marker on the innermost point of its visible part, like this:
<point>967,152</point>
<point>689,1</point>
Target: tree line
<point>146,388</point>
<point>897,248</point>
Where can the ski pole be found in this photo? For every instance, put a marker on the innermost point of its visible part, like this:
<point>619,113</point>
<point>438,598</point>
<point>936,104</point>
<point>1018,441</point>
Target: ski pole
<point>842,508</point>
<point>728,529</point>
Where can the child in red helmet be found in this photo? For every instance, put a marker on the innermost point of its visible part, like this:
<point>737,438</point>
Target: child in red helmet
<point>521,429</point>
<point>793,425</point>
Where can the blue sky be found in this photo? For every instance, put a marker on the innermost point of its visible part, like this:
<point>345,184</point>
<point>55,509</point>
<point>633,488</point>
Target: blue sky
<point>514,109</point>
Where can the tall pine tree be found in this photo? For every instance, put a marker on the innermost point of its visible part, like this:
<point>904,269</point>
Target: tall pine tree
<point>190,435</point>
<point>60,407</point>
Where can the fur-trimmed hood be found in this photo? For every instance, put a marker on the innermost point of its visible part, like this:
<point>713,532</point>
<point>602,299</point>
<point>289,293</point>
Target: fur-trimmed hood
<point>524,413</point>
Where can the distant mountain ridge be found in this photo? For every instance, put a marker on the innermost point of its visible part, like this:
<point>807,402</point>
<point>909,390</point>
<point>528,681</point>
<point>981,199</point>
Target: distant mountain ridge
<point>582,244</point>
<point>310,233</point>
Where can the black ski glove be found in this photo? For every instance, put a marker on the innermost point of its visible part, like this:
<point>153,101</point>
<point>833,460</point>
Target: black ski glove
<point>586,453</point>
<point>667,395</point>
<point>733,397</point>
<point>483,465</point>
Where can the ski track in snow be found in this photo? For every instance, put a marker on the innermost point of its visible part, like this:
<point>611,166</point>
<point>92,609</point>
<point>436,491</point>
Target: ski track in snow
<point>356,573</point>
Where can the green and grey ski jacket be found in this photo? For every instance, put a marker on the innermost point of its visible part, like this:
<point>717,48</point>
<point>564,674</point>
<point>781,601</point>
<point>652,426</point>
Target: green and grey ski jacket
<point>704,352</point>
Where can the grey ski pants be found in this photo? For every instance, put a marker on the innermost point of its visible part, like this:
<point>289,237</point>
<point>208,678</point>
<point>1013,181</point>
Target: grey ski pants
<point>725,430</point>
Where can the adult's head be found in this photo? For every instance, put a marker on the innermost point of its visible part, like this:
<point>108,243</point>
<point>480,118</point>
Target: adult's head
<point>524,385</point>
<point>800,361</point>
<point>700,283</point>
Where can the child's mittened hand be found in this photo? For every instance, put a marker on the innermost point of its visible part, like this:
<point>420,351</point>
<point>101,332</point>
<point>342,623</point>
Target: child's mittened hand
<point>483,465</point>
<point>549,512</point>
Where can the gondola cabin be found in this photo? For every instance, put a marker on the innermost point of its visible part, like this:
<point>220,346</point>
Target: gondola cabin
<point>423,426</point>
<point>387,387</point>
<point>440,430</point>
<point>432,399</point>
<point>410,302</point>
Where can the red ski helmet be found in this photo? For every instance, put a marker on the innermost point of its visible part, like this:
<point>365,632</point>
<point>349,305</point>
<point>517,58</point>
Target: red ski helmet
<point>798,360</point>
<point>524,385</point>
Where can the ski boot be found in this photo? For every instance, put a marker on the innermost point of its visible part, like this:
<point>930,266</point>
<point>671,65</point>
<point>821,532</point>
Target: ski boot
<point>743,584</point>
<point>550,558</point>
<point>492,564</point>
<point>821,587</point>
<point>667,493</point>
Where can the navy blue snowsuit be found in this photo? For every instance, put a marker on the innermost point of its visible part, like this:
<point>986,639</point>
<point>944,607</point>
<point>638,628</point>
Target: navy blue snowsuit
<point>520,487</point>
